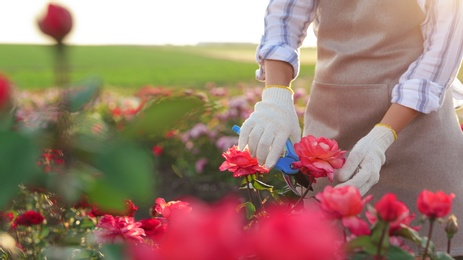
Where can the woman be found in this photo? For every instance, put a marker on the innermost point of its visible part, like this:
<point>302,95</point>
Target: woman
<point>382,88</point>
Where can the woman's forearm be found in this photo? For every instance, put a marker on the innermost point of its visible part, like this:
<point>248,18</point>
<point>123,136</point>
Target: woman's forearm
<point>398,117</point>
<point>278,72</point>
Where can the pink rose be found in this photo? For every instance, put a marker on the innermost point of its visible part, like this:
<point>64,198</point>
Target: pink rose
<point>171,208</point>
<point>345,203</point>
<point>118,230</point>
<point>56,23</point>
<point>319,157</point>
<point>435,205</point>
<point>241,163</point>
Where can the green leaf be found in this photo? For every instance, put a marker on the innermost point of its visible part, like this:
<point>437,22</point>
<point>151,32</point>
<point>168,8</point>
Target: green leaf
<point>127,168</point>
<point>19,155</point>
<point>83,93</point>
<point>112,251</point>
<point>409,233</point>
<point>166,114</point>
<point>249,208</point>
<point>395,252</point>
<point>107,197</point>
<point>363,243</point>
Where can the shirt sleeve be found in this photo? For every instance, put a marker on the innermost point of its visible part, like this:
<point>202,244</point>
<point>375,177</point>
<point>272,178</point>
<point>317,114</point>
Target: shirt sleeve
<point>286,23</point>
<point>422,87</point>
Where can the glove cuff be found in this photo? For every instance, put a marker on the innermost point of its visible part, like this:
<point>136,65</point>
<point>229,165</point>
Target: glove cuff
<point>278,95</point>
<point>384,135</point>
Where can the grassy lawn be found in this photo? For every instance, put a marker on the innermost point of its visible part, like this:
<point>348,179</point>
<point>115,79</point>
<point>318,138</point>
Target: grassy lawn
<point>130,67</point>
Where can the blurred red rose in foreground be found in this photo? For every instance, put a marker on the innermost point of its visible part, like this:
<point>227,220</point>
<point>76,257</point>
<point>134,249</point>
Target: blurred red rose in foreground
<point>319,157</point>
<point>435,205</point>
<point>5,91</point>
<point>56,23</point>
<point>241,163</point>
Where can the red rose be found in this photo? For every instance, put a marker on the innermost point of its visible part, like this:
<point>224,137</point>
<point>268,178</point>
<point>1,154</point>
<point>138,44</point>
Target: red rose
<point>241,163</point>
<point>155,228</point>
<point>319,157</point>
<point>29,218</point>
<point>56,23</point>
<point>435,205</point>
<point>157,150</point>
<point>118,229</point>
<point>390,209</point>
<point>5,91</point>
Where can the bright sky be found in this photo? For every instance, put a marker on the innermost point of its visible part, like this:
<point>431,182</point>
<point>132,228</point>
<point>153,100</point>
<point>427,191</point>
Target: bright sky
<point>151,22</point>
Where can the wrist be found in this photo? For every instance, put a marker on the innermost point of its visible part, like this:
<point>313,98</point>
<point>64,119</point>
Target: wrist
<point>277,95</point>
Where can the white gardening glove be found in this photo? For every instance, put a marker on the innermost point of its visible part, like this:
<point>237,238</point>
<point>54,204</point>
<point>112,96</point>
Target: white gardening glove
<point>273,121</point>
<point>366,158</point>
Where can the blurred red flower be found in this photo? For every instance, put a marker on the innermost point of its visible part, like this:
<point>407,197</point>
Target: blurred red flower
<point>56,23</point>
<point>171,208</point>
<point>344,203</point>
<point>302,235</point>
<point>435,205</point>
<point>6,217</point>
<point>157,150</point>
<point>118,230</point>
<point>5,91</point>
<point>241,163</point>
<point>29,218</point>
<point>155,228</point>
<point>319,157</point>
<point>209,232</point>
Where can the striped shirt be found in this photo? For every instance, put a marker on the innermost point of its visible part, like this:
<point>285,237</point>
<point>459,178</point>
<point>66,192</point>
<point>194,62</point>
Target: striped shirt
<point>421,87</point>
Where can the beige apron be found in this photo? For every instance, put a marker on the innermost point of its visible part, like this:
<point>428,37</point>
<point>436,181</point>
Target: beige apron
<point>364,46</point>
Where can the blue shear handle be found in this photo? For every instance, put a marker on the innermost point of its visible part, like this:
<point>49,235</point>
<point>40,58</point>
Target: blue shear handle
<point>283,164</point>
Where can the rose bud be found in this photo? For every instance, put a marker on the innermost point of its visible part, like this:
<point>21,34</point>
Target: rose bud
<point>451,226</point>
<point>56,23</point>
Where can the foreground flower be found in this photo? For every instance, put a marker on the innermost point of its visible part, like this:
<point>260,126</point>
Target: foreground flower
<point>240,163</point>
<point>435,205</point>
<point>56,23</point>
<point>5,92</point>
<point>304,235</point>
<point>118,230</point>
<point>344,203</point>
<point>171,208</point>
<point>319,157</point>
<point>29,218</point>
<point>209,232</point>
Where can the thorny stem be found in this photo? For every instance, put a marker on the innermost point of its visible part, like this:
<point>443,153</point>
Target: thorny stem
<point>431,225</point>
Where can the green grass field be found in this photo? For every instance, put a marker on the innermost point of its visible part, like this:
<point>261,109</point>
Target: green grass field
<point>131,67</point>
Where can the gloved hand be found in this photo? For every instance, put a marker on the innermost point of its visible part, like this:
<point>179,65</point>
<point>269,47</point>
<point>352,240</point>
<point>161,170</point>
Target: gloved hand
<point>366,158</point>
<point>273,121</point>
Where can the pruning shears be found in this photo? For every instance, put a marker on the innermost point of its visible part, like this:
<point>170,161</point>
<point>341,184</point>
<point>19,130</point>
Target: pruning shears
<point>291,175</point>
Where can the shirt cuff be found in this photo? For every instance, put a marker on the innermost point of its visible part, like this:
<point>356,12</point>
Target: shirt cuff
<point>277,52</point>
<point>422,95</point>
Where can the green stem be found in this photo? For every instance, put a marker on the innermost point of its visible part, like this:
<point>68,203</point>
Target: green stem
<point>431,225</point>
<point>448,246</point>
<point>381,240</point>
<point>249,189</point>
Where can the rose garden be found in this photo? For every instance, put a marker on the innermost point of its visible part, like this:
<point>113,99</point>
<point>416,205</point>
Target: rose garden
<point>89,173</point>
